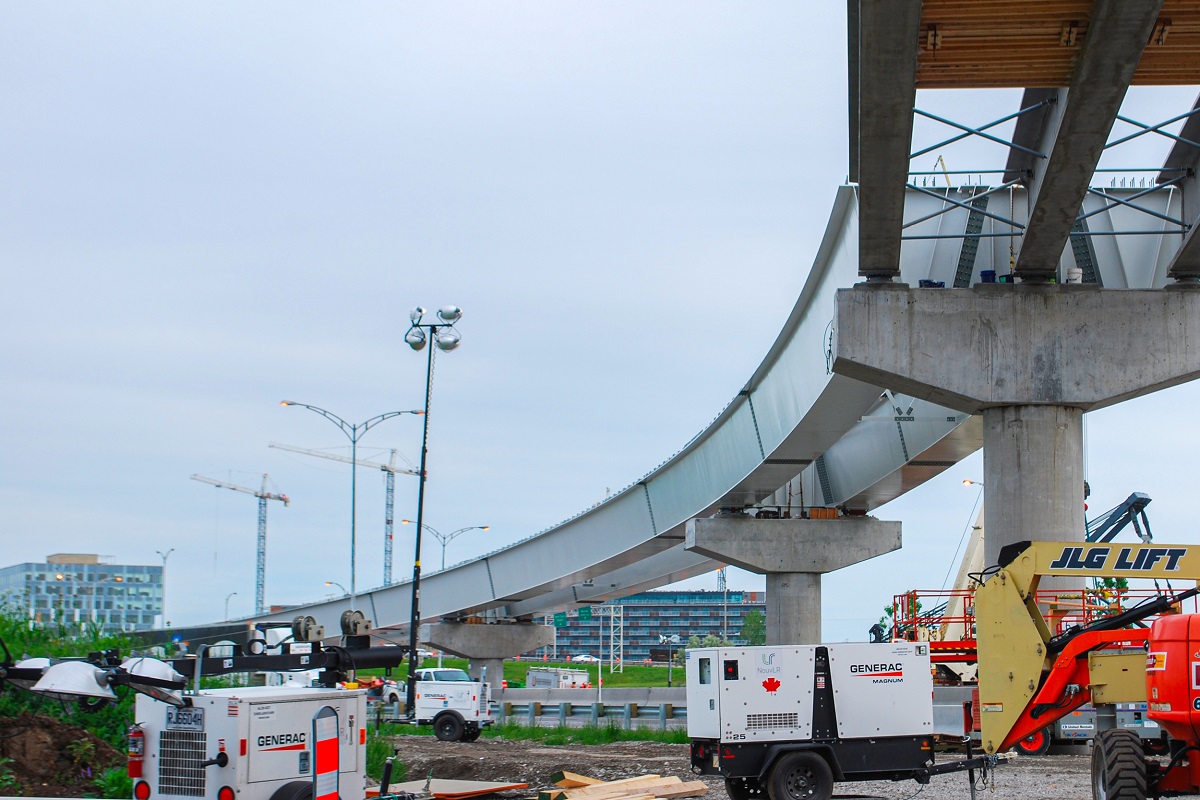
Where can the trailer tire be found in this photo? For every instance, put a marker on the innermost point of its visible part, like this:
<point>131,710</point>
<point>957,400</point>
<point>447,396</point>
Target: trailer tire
<point>471,734</point>
<point>1118,766</point>
<point>800,776</point>
<point>744,789</point>
<point>296,790</point>
<point>1035,744</point>
<point>448,727</point>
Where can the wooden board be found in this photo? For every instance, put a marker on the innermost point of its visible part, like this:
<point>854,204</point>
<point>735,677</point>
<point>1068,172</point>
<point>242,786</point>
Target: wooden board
<point>451,789</point>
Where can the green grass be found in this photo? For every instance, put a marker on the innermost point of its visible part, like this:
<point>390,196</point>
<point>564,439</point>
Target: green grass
<point>512,730</point>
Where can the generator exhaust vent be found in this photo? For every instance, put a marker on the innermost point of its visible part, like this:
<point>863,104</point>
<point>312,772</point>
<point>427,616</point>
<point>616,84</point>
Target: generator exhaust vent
<point>760,722</point>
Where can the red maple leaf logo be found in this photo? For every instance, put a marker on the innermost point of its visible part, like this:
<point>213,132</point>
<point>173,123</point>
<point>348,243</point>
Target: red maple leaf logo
<point>771,685</point>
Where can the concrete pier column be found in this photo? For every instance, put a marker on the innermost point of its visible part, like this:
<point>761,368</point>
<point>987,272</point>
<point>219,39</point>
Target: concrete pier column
<point>1031,358</point>
<point>793,607</point>
<point>487,645</point>
<point>793,554</point>
<point>1032,460</point>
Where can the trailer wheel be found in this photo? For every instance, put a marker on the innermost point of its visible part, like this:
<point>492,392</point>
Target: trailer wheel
<point>296,790</point>
<point>471,734</point>
<point>1035,744</point>
<point>800,776</point>
<point>448,727</point>
<point>744,789</point>
<point>1118,767</point>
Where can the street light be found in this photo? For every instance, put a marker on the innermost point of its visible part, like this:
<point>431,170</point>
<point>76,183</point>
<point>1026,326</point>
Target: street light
<point>231,594</point>
<point>164,556</point>
<point>353,433</point>
<point>445,538</point>
<point>335,583</point>
<point>670,641</point>
<point>446,338</point>
<point>969,482</point>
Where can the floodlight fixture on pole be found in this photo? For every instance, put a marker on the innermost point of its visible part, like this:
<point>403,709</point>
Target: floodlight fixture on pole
<point>446,538</point>
<point>446,338</point>
<point>353,433</point>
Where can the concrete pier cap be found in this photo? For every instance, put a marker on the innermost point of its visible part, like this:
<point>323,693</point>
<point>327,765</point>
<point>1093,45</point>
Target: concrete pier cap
<point>793,554</point>
<point>486,645</point>
<point>1030,359</point>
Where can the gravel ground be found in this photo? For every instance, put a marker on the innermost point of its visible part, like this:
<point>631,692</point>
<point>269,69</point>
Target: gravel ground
<point>1053,777</point>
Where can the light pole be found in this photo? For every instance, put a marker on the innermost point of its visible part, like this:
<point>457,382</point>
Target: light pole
<point>335,583</point>
<point>164,557</point>
<point>353,433</point>
<point>670,641</point>
<point>231,594</point>
<point>446,338</point>
<point>445,538</point>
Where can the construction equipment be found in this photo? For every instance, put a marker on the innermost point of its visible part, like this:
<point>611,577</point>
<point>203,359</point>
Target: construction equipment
<point>790,720</point>
<point>1032,674</point>
<point>390,470</point>
<point>263,496</point>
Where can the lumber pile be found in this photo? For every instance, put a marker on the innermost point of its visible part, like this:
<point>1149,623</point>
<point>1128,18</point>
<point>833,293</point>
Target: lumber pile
<point>643,787</point>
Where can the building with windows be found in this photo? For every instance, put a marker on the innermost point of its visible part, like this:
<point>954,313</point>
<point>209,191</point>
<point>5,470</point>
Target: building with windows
<point>642,618</point>
<point>76,589</point>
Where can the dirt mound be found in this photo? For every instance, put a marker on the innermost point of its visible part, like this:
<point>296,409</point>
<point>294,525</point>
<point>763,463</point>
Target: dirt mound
<point>50,758</point>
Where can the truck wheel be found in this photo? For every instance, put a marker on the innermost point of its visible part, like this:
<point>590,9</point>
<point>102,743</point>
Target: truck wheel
<point>448,727</point>
<point>744,789</point>
<point>1118,768</point>
<point>801,776</point>
<point>1035,744</point>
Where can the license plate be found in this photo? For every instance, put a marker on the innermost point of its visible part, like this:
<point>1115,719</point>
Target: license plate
<point>185,719</point>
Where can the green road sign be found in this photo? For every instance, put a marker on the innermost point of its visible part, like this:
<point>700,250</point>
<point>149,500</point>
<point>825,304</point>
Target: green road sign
<point>560,619</point>
<point>585,613</point>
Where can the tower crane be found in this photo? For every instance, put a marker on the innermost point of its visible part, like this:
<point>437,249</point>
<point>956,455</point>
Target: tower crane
<point>263,496</point>
<point>390,469</point>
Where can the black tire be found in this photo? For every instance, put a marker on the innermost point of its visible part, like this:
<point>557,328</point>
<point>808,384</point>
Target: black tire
<point>1118,766</point>
<point>744,789</point>
<point>1035,744</point>
<point>800,776</point>
<point>471,734</point>
<point>296,790</point>
<point>448,727</point>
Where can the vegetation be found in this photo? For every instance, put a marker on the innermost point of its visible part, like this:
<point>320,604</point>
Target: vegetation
<point>114,783</point>
<point>517,731</point>
<point>21,638</point>
<point>754,628</point>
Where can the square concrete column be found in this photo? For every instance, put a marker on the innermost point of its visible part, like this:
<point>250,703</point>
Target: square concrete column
<point>793,554</point>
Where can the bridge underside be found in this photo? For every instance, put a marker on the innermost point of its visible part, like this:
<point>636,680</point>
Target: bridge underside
<point>797,435</point>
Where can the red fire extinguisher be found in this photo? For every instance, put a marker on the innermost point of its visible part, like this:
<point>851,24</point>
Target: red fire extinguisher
<point>137,750</point>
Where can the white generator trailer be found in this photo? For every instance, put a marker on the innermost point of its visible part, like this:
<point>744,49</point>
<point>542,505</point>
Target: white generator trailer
<point>251,743</point>
<point>789,721</point>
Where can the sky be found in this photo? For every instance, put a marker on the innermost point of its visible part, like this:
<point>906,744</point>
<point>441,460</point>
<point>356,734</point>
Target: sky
<point>210,208</point>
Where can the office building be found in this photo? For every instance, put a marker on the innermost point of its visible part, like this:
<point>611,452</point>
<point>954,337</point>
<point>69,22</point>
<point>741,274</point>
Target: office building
<point>76,589</point>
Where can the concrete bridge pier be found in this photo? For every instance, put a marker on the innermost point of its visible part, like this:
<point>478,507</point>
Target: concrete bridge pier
<point>487,645</point>
<point>1031,358</point>
<point>793,554</point>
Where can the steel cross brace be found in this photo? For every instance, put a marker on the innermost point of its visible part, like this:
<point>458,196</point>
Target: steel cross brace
<point>980,130</point>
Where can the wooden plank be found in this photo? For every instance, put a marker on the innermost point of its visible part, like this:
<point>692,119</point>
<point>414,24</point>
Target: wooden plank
<point>570,780</point>
<point>611,786</point>
<point>613,791</point>
<point>455,790</point>
<point>688,789</point>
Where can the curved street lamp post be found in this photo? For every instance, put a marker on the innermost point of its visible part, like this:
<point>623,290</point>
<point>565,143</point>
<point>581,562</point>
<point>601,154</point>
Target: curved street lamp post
<point>446,538</point>
<point>353,433</point>
<point>446,338</point>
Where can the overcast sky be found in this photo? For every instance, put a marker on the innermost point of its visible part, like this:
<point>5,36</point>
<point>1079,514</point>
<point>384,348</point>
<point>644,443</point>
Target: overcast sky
<point>208,208</point>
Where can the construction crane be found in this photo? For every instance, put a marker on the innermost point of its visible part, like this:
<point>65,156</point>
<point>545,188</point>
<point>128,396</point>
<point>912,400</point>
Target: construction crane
<point>390,469</point>
<point>263,496</point>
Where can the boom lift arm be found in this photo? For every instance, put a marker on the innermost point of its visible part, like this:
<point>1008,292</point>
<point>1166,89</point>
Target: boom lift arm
<point>1029,677</point>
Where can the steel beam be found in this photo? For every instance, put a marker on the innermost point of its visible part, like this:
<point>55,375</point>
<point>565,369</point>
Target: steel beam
<point>1077,128</point>
<point>889,32</point>
<point>1185,268</point>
